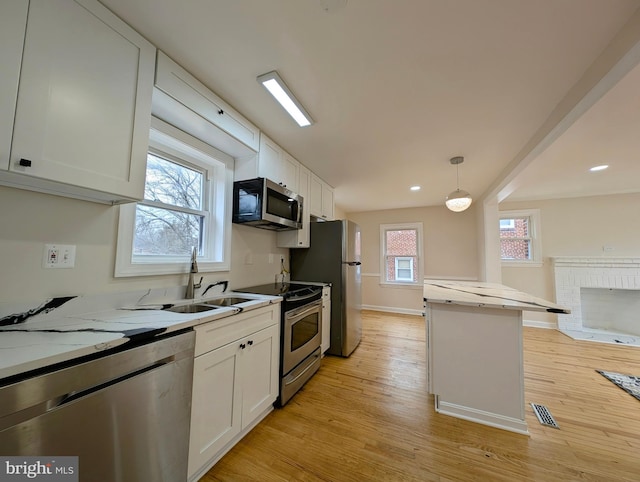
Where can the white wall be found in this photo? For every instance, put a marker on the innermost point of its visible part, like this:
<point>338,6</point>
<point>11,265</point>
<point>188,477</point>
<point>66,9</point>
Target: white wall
<point>576,227</point>
<point>449,252</point>
<point>28,220</point>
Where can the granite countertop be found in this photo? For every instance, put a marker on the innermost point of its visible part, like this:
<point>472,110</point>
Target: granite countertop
<point>36,335</point>
<point>488,295</point>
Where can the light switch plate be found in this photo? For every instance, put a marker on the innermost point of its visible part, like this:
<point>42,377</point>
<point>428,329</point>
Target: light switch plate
<point>59,256</point>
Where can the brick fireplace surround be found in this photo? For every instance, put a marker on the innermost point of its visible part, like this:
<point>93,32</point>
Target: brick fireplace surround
<point>574,273</point>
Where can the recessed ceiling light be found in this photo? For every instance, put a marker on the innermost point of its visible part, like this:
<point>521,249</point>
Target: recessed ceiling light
<point>599,168</point>
<point>415,188</point>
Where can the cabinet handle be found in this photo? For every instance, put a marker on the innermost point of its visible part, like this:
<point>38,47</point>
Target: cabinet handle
<point>243,346</point>
<point>250,342</point>
<point>25,162</point>
<point>220,111</point>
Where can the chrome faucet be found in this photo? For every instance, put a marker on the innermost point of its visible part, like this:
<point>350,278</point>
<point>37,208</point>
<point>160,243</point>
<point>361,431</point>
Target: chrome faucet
<point>191,286</point>
<point>223,283</point>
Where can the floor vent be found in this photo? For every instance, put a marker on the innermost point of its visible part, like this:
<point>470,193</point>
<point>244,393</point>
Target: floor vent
<point>544,416</point>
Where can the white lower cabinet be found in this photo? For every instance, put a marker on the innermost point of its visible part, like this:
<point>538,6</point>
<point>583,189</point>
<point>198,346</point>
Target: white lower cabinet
<point>235,382</point>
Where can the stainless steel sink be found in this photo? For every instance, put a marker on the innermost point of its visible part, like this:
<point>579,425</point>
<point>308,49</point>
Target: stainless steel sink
<point>193,308</point>
<point>227,301</point>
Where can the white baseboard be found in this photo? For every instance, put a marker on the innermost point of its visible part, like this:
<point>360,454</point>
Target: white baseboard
<point>482,417</point>
<point>549,325</point>
<point>393,309</point>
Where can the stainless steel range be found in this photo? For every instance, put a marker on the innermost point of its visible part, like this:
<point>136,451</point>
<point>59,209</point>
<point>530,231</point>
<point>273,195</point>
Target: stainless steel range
<point>301,334</point>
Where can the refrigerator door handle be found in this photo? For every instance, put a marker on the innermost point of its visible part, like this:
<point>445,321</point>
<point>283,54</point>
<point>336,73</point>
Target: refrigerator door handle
<point>352,263</point>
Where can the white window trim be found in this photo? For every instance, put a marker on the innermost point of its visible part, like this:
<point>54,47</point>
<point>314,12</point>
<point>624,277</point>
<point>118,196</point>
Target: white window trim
<point>535,232</point>
<point>383,250</point>
<point>165,138</point>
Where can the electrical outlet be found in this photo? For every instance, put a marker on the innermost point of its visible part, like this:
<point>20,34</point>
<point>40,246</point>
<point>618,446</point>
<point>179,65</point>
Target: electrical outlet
<point>59,256</point>
<point>270,258</point>
<point>607,248</point>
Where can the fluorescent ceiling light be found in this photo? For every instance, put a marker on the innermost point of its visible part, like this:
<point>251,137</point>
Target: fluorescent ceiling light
<point>599,168</point>
<point>415,188</point>
<point>276,86</point>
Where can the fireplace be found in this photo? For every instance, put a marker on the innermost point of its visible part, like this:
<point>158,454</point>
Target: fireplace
<point>602,293</point>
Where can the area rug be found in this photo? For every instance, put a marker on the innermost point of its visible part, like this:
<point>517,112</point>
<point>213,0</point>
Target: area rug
<point>628,383</point>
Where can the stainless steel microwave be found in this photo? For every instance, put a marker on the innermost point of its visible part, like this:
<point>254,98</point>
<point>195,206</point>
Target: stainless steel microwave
<point>264,204</point>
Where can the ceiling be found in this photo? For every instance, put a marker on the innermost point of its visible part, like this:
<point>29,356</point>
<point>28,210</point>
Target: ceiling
<point>396,88</point>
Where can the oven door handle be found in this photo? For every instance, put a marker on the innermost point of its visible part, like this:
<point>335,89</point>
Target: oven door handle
<point>303,310</point>
<point>304,297</point>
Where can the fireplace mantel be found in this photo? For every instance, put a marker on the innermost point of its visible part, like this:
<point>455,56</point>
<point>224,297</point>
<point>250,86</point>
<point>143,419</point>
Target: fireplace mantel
<point>595,262</point>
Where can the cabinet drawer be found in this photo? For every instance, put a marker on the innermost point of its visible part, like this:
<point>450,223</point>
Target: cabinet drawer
<point>215,334</point>
<point>189,91</point>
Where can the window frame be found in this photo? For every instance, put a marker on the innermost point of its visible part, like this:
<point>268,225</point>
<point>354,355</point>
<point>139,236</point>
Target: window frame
<point>534,235</point>
<point>177,146</point>
<point>419,255</point>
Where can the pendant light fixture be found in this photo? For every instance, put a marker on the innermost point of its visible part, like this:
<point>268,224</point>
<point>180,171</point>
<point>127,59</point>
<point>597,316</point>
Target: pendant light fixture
<point>458,200</point>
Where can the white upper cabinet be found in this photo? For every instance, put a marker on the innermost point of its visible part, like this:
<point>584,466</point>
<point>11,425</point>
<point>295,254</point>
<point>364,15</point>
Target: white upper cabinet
<point>321,204</point>
<point>180,85</point>
<point>83,104</point>
<point>299,238</point>
<point>13,21</point>
<point>276,164</point>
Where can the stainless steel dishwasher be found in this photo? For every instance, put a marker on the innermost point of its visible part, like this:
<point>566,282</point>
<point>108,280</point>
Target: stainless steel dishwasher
<point>126,414</point>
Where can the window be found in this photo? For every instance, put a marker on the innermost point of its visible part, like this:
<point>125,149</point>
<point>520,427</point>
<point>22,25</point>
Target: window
<point>401,253</point>
<point>404,269</point>
<point>507,224</point>
<point>187,204</point>
<point>519,237</point>
<point>172,217</point>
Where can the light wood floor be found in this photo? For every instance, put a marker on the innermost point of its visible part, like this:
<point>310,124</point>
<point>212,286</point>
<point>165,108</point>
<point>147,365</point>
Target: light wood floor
<point>369,418</point>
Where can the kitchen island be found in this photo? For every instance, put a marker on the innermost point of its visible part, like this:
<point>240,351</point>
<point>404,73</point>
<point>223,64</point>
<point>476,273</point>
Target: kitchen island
<point>474,350</point>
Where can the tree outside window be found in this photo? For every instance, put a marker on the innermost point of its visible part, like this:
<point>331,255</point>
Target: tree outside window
<point>170,219</point>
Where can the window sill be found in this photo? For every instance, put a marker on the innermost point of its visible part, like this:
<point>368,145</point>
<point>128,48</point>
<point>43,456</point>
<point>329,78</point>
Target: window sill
<point>521,264</point>
<point>410,286</point>
<point>142,269</point>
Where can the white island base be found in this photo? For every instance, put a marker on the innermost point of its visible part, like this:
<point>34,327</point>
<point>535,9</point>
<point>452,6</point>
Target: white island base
<point>474,351</point>
<point>475,364</point>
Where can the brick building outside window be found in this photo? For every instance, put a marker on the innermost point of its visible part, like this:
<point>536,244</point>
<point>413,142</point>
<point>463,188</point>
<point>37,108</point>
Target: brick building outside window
<point>401,247</point>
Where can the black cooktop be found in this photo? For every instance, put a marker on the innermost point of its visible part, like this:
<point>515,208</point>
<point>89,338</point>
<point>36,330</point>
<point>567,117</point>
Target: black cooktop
<point>285,290</point>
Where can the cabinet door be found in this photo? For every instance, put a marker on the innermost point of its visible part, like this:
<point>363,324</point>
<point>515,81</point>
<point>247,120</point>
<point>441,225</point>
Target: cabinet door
<point>299,238</point>
<point>289,169</point>
<point>269,160</point>
<point>13,20</point>
<point>216,408</point>
<point>179,84</point>
<point>84,102</point>
<point>315,196</point>
<point>260,368</point>
<point>327,202</point>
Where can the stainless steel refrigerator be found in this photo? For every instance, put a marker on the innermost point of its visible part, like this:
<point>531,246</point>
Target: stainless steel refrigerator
<point>334,257</point>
